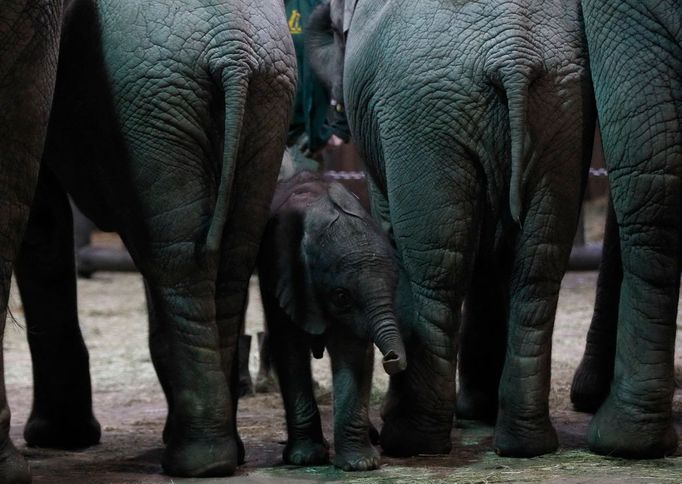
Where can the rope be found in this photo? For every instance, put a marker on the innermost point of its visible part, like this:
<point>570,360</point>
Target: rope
<point>360,175</point>
<point>345,175</point>
<point>598,172</point>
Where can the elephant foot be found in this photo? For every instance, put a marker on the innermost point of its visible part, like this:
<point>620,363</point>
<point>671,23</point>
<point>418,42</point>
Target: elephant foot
<point>13,466</point>
<point>402,436</point>
<point>476,404</point>
<point>62,432</point>
<point>362,459</point>
<point>525,438</point>
<point>590,386</point>
<point>305,452</point>
<point>201,458</point>
<point>167,431</point>
<point>616,431</point>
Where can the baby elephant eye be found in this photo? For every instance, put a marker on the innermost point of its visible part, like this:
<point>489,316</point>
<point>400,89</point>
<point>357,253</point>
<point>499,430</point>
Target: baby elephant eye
<point>341,298</point>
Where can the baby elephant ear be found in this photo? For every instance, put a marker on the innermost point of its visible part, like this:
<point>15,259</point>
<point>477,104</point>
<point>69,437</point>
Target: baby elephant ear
<point>346,201</point>
<point>310,316</point>
<point>283,272</point>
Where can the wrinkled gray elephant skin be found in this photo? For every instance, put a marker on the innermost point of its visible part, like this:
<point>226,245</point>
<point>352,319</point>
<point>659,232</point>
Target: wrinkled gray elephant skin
<point>328,277</point>
<point>627,372</point>
<point>29,41</point>
<point>475,119</point>
<point>168,126</point>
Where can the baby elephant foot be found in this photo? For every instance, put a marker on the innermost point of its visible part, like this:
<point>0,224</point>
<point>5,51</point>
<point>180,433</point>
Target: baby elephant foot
<point>13,466</point>
<point>524,438</point>
<point>590,385</point>
<point>217,457</point>
<point>305,452</point>
<point>362,459</point>
<point>402,436</point>
<point>66,432</point>
<point>619,430</point>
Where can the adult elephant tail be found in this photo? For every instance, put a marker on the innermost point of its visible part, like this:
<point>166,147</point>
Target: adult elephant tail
<point>516,88</point>
<point>235,88</point>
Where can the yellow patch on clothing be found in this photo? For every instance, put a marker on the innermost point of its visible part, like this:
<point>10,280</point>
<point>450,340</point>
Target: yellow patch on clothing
<point>295,23</point>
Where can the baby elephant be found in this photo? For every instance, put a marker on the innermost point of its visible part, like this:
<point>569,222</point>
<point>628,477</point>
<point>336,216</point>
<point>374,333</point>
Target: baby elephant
<point>328,278</point>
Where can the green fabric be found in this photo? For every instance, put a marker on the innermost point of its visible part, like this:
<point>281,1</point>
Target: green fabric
<point>312,102</point>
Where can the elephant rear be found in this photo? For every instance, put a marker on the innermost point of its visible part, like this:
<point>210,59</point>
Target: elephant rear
<point>159,97</point>
<point>475,120</point>
<point>506,81</point>
<point>169,124</point>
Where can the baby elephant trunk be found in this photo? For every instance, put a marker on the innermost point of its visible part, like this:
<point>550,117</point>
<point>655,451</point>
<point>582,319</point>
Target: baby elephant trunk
<point>387,338</point>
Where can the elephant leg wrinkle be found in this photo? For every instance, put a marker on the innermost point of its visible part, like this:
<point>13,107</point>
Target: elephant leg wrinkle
<point>636,64</point>
<point>200,431</point>
<point>592,379</point>
<point>28,68</point>
<point>412,425</point>
<point>541,251</point>
<point>635,420</point>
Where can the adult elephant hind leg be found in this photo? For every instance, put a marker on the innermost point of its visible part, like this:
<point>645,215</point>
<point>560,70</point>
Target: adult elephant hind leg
<point>160,353</point>
<point>200,439</point>
<point>641,122</point>
<point>635,420</point>
<point>62,398</point>
<point>592,379</point>
<point>435,232</point>
<point>230,309</point>
<point>257,162</point>
<point>523,427</point>
<point>482,344</point>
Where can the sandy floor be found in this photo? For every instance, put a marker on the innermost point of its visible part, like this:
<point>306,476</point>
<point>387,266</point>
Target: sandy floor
<point>129,404</point>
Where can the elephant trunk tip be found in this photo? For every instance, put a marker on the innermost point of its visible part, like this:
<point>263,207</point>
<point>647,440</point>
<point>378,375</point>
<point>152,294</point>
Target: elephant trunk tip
<point>393,363</point>
<point>389,341</point>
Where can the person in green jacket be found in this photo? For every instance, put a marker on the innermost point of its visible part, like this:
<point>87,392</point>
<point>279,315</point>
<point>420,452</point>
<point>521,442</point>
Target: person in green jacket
<point>309,131</point>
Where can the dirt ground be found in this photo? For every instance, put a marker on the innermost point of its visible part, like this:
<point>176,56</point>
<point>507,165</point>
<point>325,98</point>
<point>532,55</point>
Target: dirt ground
<point>130,406</point>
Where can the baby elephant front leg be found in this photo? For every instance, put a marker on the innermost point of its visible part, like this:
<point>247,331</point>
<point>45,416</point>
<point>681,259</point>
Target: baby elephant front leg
<point>352,362</point>
<point>291,357</point>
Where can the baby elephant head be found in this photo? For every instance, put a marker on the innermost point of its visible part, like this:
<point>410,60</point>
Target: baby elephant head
<point>341,268</point>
